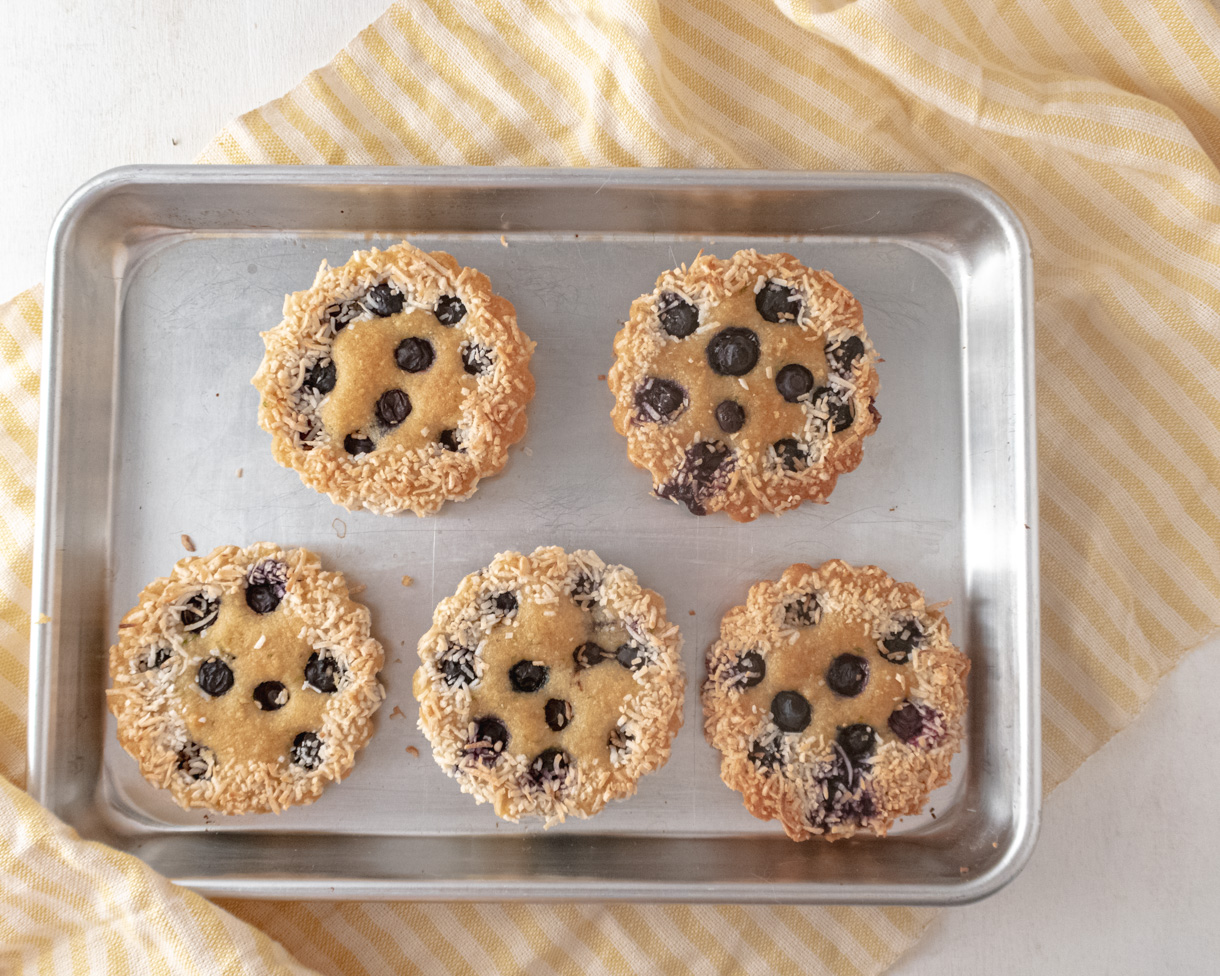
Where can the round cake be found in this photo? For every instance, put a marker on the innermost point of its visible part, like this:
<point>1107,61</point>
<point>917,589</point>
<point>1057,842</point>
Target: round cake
<point>396,382</point>
<point>550,683</point>
<point>246,680</point>
<point>745,386</point>
<point>836,700</point>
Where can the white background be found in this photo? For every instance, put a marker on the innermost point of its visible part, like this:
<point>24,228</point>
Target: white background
<point>1126,877</point>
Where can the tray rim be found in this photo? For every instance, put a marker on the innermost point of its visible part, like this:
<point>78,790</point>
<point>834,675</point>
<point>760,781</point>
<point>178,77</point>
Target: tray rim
<point>1027,815</point>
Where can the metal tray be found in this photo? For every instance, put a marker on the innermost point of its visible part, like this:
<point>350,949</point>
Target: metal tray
<point>161,279</point>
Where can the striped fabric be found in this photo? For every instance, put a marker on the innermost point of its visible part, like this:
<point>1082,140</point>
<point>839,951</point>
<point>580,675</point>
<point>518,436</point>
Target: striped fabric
<point>1095,119</point>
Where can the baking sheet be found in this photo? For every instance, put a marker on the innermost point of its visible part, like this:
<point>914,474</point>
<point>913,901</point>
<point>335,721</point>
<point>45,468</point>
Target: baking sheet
<point>169,274</point>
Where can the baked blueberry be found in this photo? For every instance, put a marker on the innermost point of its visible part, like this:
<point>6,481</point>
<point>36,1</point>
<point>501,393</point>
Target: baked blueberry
<point>842,356</point>
<point>342,313</point>
<point>765,755</point>
<point>476,359</point>
<point>730,416</point>
<point>847,675</point>
<point>504,603</point>
<point>199,613</point>
<point>791,454</point>
<point>153,659</point>
<point>907,722</point>
<point>356,445</point>
<point>584,590</point>
<point>659,400</point>
<point>704,473</point>
<point>733,351</point>
<point>323,672</point>
<point>791,711</point>
<point>905,636</point>
<point>589,654</point>
<point>678,317</point>
<point>747,671</point>
<point>558,714</point>
<point>491,738</point>
<point>458,666</point>
<point>526,676</point>
<point>778,303</point>
<point>630,656</point>
<point>450,440</point>
<point>414,355</point>
<point>859,741</point>
<point>793,382</point>
<point>321,376</point>
<point>307,750</point>
<point>802,610</point>
<point>393,407</point>
<point>270,695</point>
<point>214,677</point>
<point>450,310</point>
<point>192,761</point>
<point>840,414</point>
<point>263,597</point>
<point>551,766</point>
<point>383,301</point>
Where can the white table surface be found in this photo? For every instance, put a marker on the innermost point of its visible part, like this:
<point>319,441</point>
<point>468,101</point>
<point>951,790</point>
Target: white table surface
<point>1126,877</point>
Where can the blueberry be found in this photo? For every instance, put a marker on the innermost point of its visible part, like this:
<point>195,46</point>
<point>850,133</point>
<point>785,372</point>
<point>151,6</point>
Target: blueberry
<point>476,359</point>
<point>393,407</point>
<point>730,416</point>
<point>450,440</point>
<point>857,741</point>
<point>382,300</point>
<point>199,613</point>
<point>765,756</point>
<point>341,313</point>
<point>527,676</point>
<point>505,603</point>
<point>630,657</point>
<point>271,695</point>
<point>904,637</point>
<point>841,357</point>
<point>558,714</point>
<point>214,677</point>
<point>490,739</point>
<point>747,671</point>
<point>263,597</point>
<point>618,739</point>
<point>791,454</point>
<point>840,414</point>
<point>355,446</point>
<point>551,766</point>
<point>778,303</point>
<point>457,665</point>
<point>907,722</point>
<point>678,317</point>
<point>414,355</point>
<point>802,610</point>
<point>307,750</point>
<point>321,377</point>
<point>791,711</point>
<point>847,675</point>
<point>583,589</point>
<point>704,474</point>
<point>323,672</point>
<point>589,654</point>
<point>153,659</point>
<point>191,761</point>
<point>450,310</point>
<point>733,351</point>
<point>793,382</point>
<point>659,400</point>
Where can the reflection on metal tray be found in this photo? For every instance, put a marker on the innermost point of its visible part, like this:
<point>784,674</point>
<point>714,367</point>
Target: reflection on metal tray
<point>162,278</point>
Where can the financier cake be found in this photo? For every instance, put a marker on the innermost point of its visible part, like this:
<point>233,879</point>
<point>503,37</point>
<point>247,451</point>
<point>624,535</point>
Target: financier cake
<point>246,680</point>
<point>396,382</point>
<point>836,699</point>
<point>550,683</point>
<point>745,386</point>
